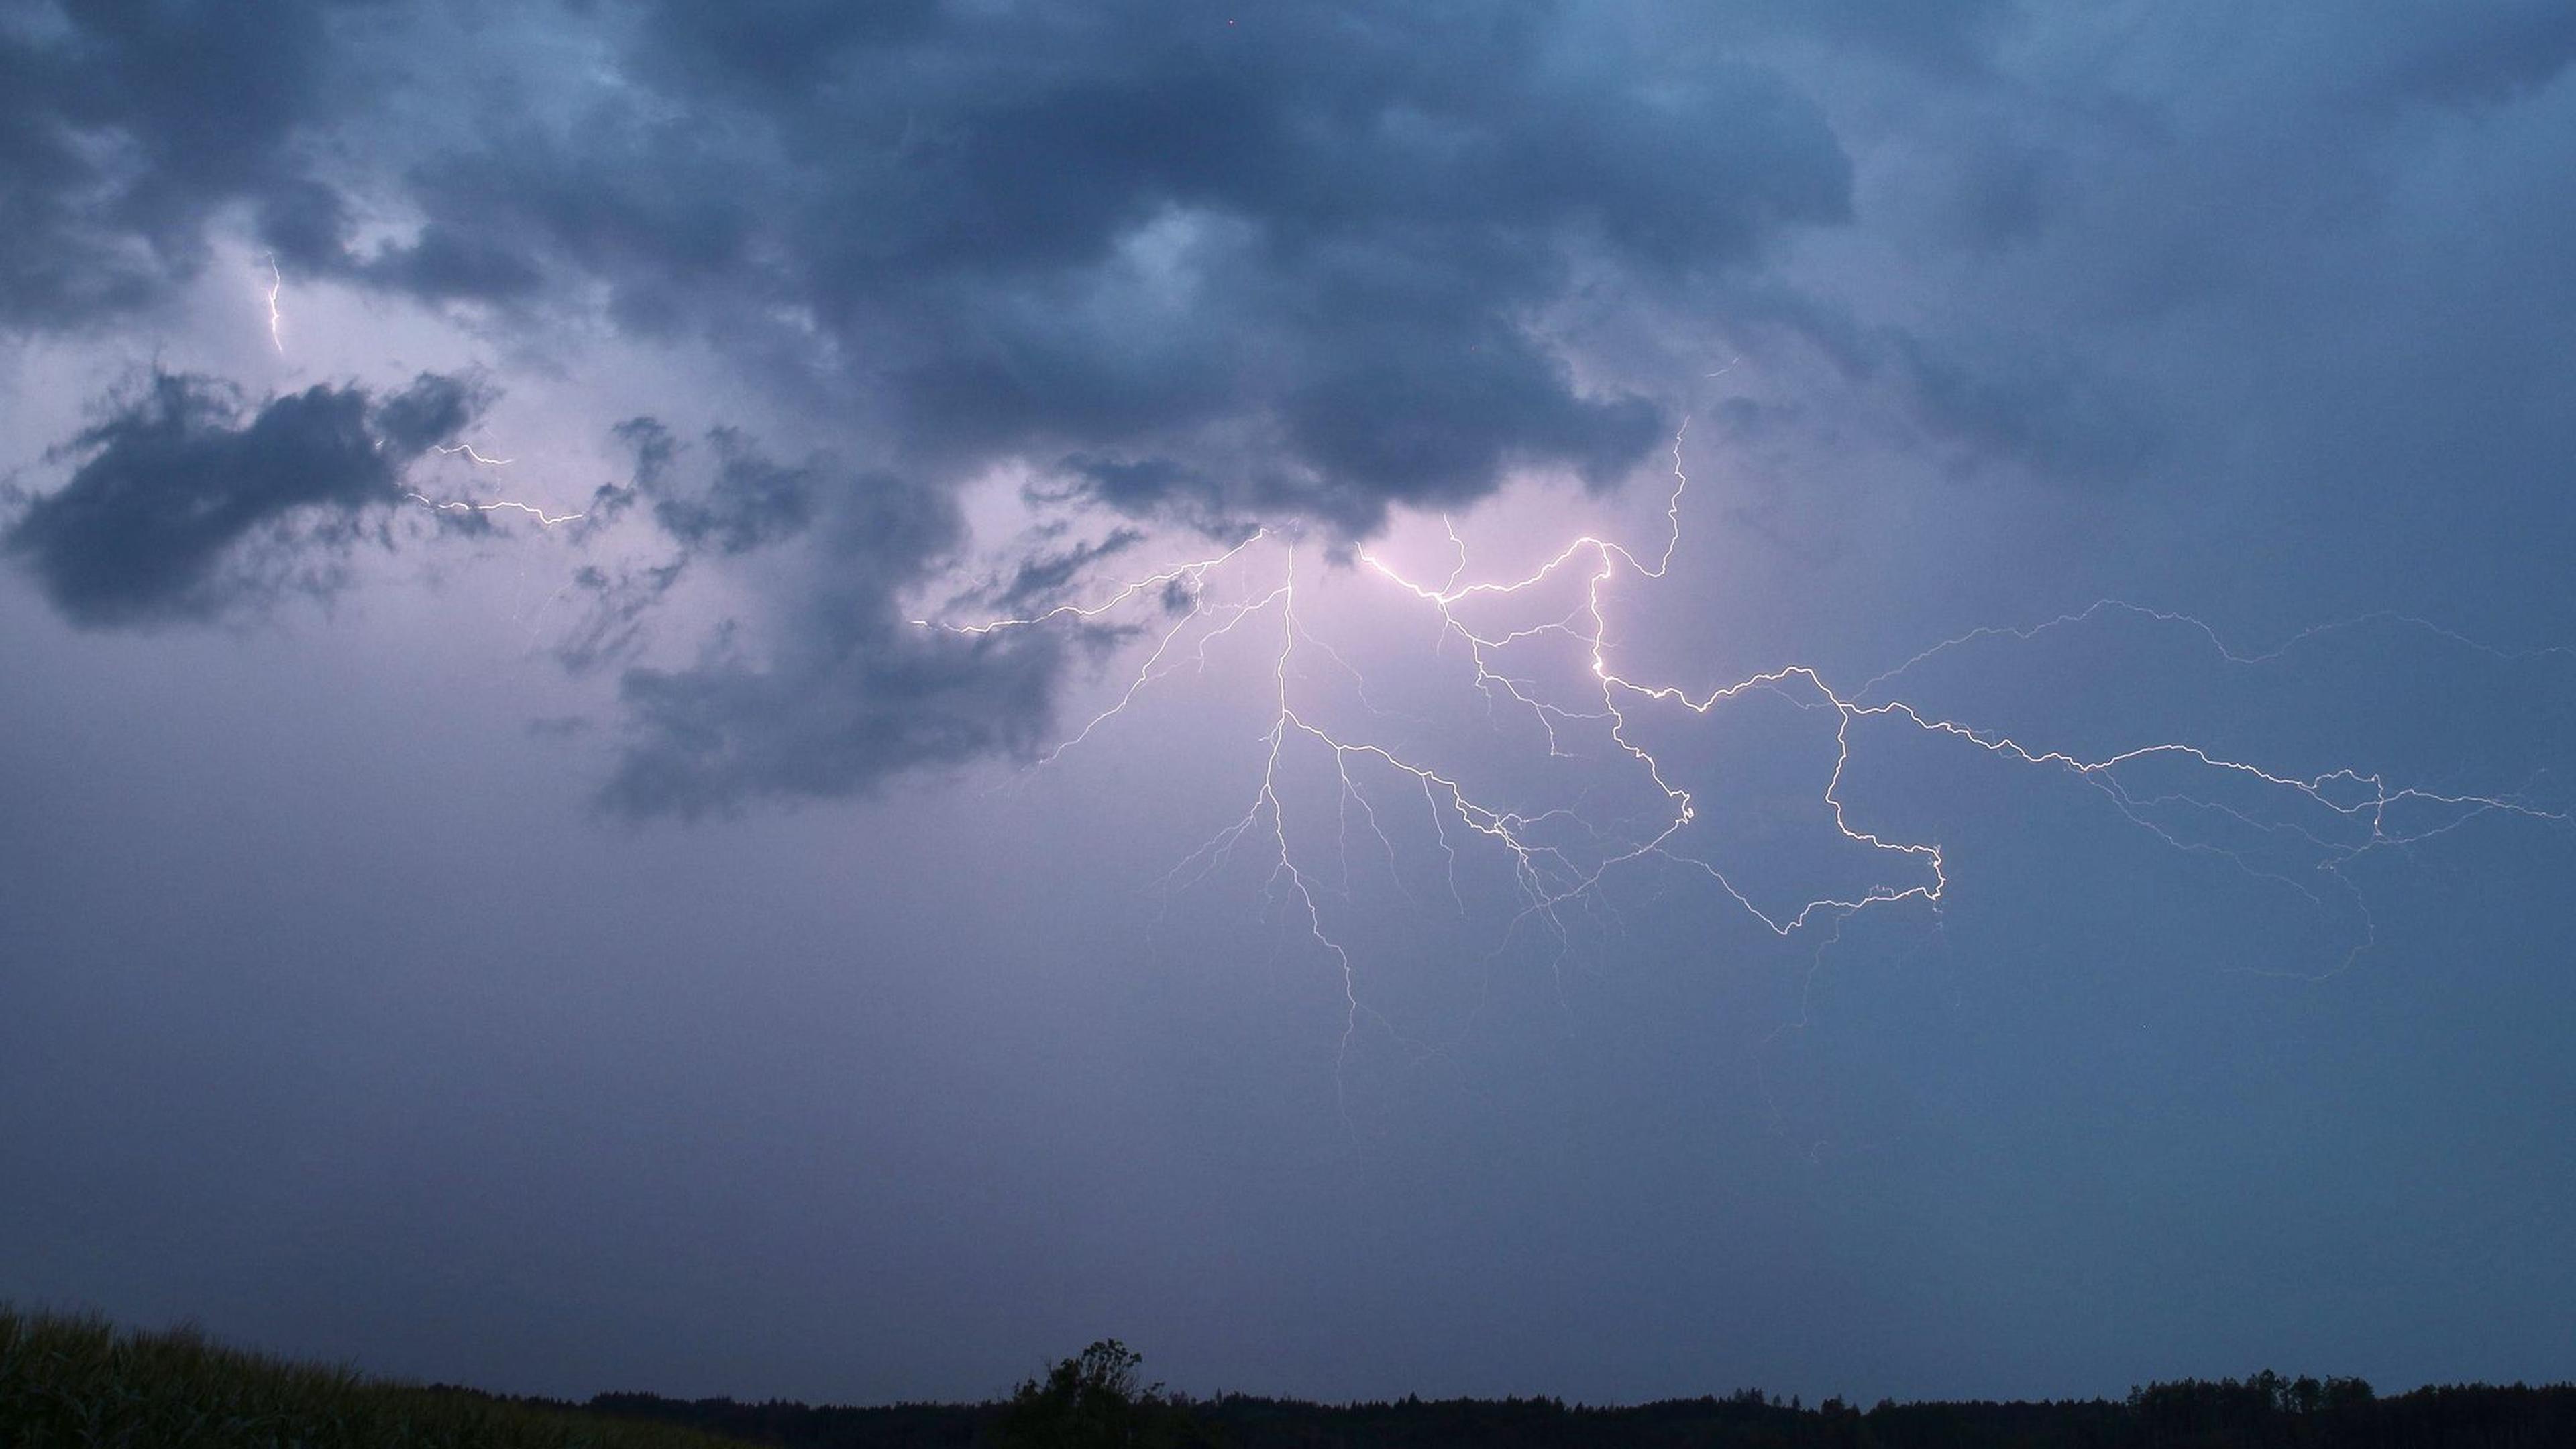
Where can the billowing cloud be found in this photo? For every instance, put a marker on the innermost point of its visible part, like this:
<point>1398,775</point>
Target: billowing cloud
<point>1302,264</point>
<point>838,689</point>
<point>839,714</point>
<point>842,692</point>
<point>748,502</point>
<point>1316,261</point>
<point>177,491</point>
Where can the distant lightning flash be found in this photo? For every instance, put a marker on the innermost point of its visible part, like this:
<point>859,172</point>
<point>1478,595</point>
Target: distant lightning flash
<point>1559,859</point>
<point>543,518</point>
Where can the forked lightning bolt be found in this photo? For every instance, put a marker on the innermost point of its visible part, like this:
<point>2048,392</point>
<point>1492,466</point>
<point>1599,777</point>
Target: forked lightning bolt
<point>1550,875</point>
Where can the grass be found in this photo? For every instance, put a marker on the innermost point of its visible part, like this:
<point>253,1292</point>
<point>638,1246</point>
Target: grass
<point>81,1383</point>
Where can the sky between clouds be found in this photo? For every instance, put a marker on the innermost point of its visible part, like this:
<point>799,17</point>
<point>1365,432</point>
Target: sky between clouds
<point>631,950</point>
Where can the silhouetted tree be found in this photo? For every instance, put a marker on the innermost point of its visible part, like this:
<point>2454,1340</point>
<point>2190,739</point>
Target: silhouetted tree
<point>1095,1400</point>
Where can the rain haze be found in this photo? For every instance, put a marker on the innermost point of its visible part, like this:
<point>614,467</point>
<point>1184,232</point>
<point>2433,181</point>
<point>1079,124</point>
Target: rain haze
<point>1508,698</point>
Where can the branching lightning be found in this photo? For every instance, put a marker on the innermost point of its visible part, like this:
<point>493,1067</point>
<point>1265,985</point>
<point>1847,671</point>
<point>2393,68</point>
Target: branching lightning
<point>1559,859</point>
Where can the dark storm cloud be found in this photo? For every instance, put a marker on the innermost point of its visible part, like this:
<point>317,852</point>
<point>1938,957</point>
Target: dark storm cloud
<point>124,127</point>
<point>2487,55</point>
<point>1042,575</point>
<point>837,716</point>
<point>1312,261</point>
<point>850,691</point>
<point>748,502</point>
<point>843,690</point>
<point>1320,239</point>
<point>1934,35</point>
<point>1300,261</point>
<point>165,516</point>
<point>1296,266</point>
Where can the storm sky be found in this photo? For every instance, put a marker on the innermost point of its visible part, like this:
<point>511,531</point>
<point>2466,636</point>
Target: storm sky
<point>520,863</point>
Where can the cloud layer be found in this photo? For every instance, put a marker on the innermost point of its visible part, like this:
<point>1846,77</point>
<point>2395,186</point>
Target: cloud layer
<point>1311,263</point>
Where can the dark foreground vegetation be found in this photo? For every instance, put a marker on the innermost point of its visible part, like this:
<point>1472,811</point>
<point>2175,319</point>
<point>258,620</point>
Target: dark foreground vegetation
<point>77,1382</point>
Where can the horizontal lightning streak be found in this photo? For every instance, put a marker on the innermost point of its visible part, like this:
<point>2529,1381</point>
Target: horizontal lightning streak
<point>435,505</point>
<point>543,518</point>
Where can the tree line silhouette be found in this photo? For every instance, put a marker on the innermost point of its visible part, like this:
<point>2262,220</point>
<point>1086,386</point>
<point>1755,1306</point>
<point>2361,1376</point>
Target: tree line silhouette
<point>1098,1399</point>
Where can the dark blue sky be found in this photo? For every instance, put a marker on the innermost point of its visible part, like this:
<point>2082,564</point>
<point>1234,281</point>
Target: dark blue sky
<point>518,863</point>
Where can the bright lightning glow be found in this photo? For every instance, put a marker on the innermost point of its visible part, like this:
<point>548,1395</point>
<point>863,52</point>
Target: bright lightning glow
<point>276,320</point>
<point>1552,875</point>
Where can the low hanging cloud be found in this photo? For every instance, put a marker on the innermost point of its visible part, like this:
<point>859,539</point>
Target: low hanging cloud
<point>855,696</point>
<point>185,505</point>
<point>843,690</point>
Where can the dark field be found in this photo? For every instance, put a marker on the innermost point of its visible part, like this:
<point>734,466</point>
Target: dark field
<point>72,1381</point>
